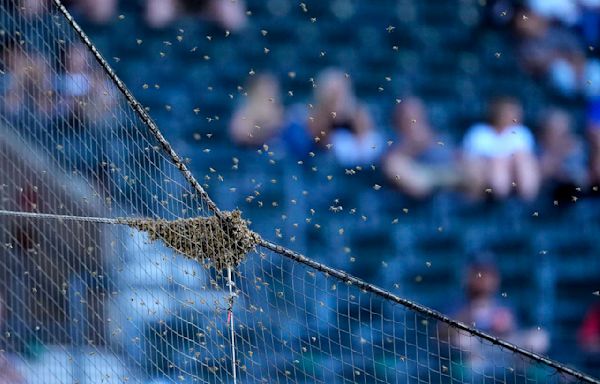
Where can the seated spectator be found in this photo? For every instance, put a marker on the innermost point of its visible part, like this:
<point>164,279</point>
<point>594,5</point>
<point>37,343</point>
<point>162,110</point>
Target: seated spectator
<point>34,7</point>
<point>260,117</point>
<point>594,162</point>
<point>28,84</point>
<point>562,156</point>
<point>546,49</point>
<point>340,120</point>
<point>161,13</point>
<point>96,11</point>
<point>500,154</point>
<point>230,15</point>
<point>483,310</point>
<point>593,136</point>
<point>589,338</point>
<point>418,163</point>
<point>565,11</point>
<point>85,93</point>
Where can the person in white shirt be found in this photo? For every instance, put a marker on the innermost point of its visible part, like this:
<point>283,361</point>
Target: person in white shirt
<point>499,155</point>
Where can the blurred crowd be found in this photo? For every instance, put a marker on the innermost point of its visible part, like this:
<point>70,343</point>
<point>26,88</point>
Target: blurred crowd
<point>498,157</point>
<point>556,40</point>
<point>30,84</point>
<point>230,15</point>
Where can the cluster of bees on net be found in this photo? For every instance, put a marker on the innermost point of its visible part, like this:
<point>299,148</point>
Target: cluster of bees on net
<point>224,241</point>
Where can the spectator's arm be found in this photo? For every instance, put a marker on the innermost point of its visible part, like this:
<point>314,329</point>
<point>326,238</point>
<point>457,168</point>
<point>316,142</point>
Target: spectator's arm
<point>319,123</point>
<point>241,130</point>
<point>594,162</point>
<point>527,170</point>
<point>363,121</point>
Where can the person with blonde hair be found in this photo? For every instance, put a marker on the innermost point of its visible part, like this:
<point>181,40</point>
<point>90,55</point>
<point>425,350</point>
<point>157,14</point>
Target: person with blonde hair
<point>260,115</point>
<point>339,119</point>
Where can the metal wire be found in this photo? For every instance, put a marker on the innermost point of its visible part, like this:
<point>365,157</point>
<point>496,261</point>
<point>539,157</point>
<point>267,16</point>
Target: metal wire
<point>232,325</point>
<point>39,215</point>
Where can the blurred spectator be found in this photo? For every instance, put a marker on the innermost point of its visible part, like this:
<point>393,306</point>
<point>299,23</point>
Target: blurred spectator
<point>482,308</point>
<point>542,44</point>
<point>483,311</point>
<point>260,117</point>
<point>96,11</point>
<point>418,163</point>
<point>28,84</point>
<point>229,15</point>
<point>85,93</point>
<point>340,120</point>
<point>500,154</point>
<point>34,7</point>
<point>161,13</point>
<point>589,337</point>
<point>565,11</point>
<point>100,11</point>
<point>562,156</point>
<point>547,49</point>
<point>593,136</point>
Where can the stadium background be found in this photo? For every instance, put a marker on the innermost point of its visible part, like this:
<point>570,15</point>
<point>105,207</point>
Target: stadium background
<point>455,55</point>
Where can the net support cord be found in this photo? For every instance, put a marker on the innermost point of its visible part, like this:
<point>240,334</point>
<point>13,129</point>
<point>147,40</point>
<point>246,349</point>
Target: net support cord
<point>231,324</point>
<point>38,215</point>
<point>343,276</point>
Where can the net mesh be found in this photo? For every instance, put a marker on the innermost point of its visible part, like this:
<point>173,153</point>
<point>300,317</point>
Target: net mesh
<point>91,302</point>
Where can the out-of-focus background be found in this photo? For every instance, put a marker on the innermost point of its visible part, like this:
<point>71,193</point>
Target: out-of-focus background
<point>413,144</point>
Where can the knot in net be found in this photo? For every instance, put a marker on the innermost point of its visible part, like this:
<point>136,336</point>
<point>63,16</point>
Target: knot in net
<point>221,241</point>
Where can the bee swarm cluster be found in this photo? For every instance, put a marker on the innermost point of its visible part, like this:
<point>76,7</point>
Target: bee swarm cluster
<point>223,242</point>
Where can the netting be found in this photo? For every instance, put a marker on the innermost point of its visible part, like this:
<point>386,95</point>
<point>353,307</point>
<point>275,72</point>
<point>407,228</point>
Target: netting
<point>116,267</point>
